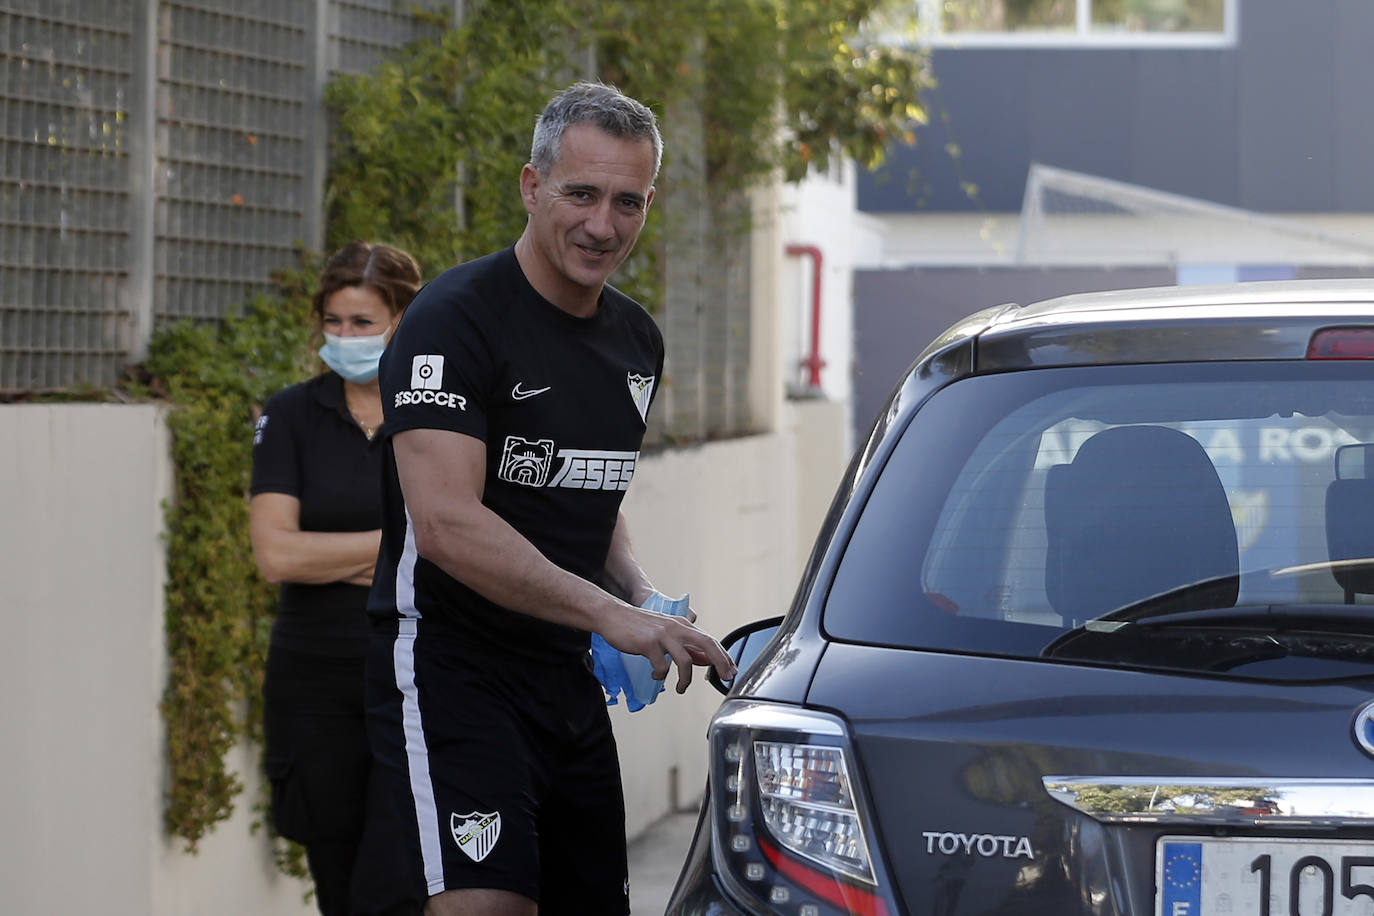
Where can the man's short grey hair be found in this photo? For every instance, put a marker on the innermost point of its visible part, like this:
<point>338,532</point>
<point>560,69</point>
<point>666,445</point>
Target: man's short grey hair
<point>599,105</point>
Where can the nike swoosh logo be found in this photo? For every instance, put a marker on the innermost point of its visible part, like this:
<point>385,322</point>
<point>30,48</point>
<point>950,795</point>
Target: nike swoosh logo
<point>520,394</point>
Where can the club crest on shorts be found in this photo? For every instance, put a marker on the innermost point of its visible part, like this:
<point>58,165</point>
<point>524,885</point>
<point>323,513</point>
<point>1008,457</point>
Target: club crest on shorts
<point>641,390</point>
<point>476,833</point>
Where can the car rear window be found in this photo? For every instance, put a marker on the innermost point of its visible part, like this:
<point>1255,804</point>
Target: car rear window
<point>1063,513</point>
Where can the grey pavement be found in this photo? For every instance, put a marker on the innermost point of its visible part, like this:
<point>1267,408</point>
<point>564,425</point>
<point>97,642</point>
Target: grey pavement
<point>656,857</point>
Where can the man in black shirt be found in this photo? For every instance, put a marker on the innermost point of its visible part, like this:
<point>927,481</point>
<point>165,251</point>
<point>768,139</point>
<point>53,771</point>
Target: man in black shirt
<point>516,392</point>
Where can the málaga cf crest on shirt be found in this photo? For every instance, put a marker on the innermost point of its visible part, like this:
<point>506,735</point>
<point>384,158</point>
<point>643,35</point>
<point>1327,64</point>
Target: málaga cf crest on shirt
<point>642,390</point>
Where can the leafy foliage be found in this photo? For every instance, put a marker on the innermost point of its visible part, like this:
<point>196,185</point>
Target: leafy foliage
<point>779,83</point>
<point>219,610</point>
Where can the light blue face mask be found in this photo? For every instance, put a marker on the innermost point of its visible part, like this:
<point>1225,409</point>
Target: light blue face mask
<point>633,674</point>
<point>354,358</point>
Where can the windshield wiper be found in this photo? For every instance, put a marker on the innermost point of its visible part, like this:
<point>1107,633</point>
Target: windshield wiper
<point>1218,639</point>
<point>1216,594</point>
<point>1334,619</point>
<point>1208,606</point>
<point>1218,591</point>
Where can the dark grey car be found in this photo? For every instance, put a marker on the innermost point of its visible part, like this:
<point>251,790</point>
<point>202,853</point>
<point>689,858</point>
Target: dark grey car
<point>1089,629</point>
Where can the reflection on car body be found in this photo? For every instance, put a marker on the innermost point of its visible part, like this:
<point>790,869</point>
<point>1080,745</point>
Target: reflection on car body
<point>1088,629</point>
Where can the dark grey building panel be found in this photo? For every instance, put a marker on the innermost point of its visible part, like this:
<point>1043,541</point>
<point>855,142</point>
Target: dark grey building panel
<point>1287,124</point>
<point>979,106</point>
<point>1279,123</point>
<point>1330,273</point>
<point>1071,95</point>
<point>1198,157</point>
<point>1354,105</point>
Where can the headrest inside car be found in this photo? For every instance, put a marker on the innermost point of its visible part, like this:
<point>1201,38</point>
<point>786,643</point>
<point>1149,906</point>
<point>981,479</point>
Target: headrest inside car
<point>1350,520</point>
<point>1139,512</point>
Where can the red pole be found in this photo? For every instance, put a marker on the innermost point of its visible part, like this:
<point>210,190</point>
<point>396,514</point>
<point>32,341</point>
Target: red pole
<point>813,363</point>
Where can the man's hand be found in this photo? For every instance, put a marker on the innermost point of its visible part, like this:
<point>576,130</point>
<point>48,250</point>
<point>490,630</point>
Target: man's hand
<point>654,636</point>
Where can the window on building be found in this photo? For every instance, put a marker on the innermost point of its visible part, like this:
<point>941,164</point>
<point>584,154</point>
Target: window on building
<point>1074,21</point>
<point>1008,16</point>
<point>1158,15</point>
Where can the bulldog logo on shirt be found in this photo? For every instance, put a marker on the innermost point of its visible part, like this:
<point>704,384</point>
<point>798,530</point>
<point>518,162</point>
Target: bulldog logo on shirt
<point>526,462</point>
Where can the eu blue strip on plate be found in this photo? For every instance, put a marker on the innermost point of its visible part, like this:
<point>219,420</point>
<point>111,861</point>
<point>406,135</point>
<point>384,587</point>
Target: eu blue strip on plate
<point>1181,887</point>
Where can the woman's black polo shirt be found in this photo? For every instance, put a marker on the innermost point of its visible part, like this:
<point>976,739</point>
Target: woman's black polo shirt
<point>307,445</point>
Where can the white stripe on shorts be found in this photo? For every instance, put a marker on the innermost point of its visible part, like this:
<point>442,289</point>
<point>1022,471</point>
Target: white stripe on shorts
<point>417,752</point>
<point>405,574</point>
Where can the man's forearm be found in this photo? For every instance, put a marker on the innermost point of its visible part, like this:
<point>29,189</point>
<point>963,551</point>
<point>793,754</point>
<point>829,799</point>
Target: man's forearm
<point>483,551</point>
<point>624,576</point>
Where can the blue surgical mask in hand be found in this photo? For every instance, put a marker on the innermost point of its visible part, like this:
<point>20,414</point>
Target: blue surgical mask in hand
<point>620,672</point>
<point>354,358</point>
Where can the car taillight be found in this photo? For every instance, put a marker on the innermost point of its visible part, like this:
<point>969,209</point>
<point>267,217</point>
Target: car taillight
<point>1342,343</point>
<point>808,805</point>
<point>790,832</point>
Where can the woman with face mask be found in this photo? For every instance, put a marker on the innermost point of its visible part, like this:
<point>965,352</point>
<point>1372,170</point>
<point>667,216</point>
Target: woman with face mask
<point>314,519</point>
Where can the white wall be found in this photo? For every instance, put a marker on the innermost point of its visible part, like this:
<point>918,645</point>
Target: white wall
<point>732,523</point>
<point>81,673</point>
<point>83,665</point>
<point>821,211</point>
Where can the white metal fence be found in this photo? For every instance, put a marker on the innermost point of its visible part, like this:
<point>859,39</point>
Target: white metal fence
<point>158,159</point>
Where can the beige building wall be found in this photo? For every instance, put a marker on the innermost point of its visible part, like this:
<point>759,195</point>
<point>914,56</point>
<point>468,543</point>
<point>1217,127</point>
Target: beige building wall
<point>83,666</point>
<point>82,670</point>
<point>731,523</point>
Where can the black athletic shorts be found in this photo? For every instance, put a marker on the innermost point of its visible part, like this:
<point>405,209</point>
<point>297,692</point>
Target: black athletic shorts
<point>505,771</point>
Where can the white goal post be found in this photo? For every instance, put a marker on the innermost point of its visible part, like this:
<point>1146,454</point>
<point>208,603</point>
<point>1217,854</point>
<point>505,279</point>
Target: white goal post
<point>1073,217</point>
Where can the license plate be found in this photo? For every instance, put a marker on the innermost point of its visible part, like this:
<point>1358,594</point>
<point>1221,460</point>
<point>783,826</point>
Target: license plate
<point>1245,876</point>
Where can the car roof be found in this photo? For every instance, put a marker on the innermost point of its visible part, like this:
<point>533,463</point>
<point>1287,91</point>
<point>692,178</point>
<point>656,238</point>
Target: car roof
<point>1273,319</point>
<point>1237,300</point>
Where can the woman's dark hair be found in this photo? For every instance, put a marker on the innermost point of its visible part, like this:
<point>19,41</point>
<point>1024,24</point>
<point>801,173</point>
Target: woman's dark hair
<point>385,269</point>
